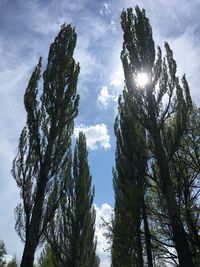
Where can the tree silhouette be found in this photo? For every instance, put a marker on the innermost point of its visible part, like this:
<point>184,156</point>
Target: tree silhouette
<point>153,114</point>
<point>71,234</point>
<point>45,140</point>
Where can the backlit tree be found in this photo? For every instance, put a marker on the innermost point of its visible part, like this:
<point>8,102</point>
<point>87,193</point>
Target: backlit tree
<point>45,140</point>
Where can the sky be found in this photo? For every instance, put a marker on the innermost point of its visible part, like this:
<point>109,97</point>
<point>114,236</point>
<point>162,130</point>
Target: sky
<point>28,27</point>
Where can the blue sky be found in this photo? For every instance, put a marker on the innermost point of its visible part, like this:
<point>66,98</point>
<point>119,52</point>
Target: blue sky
<point>27,29</point>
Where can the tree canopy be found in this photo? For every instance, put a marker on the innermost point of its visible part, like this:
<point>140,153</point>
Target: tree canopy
<point>160,112</point>
<point>72,232</point>
<point>45,140</point>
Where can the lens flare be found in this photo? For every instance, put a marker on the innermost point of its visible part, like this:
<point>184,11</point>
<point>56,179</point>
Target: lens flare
<point>142,79</point>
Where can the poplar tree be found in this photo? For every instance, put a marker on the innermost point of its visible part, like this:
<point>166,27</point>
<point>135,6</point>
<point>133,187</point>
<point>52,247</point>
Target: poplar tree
<point>72,233</point>
<point>129,187</point>
<point>45,140</point>
<point>152,113</point>
<point>185,171</point>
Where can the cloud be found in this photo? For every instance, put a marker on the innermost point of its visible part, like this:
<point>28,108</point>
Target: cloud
<point>117,78</point>
<point>105,9</point>
<point>40,20</point>
<point>186,51</point>
<point>82,54</point>
<point>8,258</point>
<point>104,97</point>
<point>109,95</point>
<point>104,212</point>
<point>97,135</point>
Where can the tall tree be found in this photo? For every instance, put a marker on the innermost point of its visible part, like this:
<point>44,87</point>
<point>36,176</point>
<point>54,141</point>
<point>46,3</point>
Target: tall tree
<point>185,171</point>
<point>44,141</point>
<point>129,187</point>
<point>72,233</point>
<point>138,56</point>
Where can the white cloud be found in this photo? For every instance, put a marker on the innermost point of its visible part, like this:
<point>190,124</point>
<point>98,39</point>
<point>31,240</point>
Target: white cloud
<point>117,78</point>
<point>13,80</point>
<point>104,97</point>
<point>109,95</point>
<point>97,135</point>
<point>113,25</point>
<point>186,51</point>
<point>87,61</point>
<point>8,258</point>
<point>105,10</point>
<point>104,212</point>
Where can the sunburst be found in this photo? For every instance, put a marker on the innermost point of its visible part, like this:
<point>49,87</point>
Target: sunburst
<point>142,79</point>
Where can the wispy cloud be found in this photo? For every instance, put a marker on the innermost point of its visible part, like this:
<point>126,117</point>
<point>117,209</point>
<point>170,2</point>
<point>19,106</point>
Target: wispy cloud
<point>186,51</point>
<point>104,211</point>
<point>105,9</point>
<point>104,97</point>
<point>97,135</point>
<point>108,95</point>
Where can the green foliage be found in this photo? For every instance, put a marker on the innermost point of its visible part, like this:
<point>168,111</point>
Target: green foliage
<point>128,180</point>
<point>160,111</point>
<point>185,171</point>
<point>71,234</point>
<point>2,253</point>
<point>46,257</point>
<point>13,263</point>
<point>45,140</point>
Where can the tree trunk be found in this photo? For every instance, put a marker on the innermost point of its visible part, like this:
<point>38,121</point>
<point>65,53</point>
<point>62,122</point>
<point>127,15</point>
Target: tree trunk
<point>33,234</point>
<point>192,227</point>
<point>179,235</point>
<point>28,255</point>
<point>140,261</point>
<point>147,237</point>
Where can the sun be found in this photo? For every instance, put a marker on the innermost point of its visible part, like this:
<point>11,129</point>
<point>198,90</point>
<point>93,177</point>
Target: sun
<point>142,79</point>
